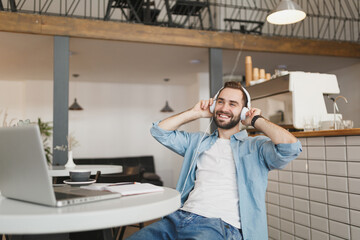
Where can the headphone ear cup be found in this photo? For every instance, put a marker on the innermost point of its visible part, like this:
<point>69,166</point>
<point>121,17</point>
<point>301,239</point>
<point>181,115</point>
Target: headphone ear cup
<point>212,107</point>
<point>243,113</point>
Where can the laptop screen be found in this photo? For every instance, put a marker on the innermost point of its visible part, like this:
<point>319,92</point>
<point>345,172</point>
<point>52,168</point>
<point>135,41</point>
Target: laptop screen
<point>23,167</point>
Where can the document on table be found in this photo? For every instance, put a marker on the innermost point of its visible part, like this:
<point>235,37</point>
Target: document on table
<point>126,189</point>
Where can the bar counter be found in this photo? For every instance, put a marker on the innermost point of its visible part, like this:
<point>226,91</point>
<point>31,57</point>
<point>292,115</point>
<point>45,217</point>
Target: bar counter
<point>317,195</point>
<point>329,133</point>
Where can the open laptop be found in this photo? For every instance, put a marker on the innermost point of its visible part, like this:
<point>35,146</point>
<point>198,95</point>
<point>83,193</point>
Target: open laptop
<point>24,172</point>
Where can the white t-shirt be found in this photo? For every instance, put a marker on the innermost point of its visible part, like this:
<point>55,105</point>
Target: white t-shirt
<point>215,194</point>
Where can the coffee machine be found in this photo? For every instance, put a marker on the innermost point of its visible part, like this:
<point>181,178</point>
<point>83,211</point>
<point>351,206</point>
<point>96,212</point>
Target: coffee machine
<point>296,99</point>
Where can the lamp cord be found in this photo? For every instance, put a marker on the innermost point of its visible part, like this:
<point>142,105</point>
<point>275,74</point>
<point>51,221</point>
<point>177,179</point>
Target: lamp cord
<point>238,57</point>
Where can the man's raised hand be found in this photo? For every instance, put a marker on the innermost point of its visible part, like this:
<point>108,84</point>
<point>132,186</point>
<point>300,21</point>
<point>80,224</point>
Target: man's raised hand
<point>202,108</point>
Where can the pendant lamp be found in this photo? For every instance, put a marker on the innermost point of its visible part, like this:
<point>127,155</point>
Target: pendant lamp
<point>75,106</point>
<point>167,108</point>
<point>287,12</point>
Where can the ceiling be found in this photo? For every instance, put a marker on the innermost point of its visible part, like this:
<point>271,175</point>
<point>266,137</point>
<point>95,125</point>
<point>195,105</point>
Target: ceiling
<point>30,57</point>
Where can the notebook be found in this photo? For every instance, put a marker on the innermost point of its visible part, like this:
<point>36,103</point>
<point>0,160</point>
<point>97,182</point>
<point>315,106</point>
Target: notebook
<point>126,189</point>
<point>24,172</point>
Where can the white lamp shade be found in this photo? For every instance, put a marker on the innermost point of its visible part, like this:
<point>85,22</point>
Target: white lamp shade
<point>287,12</point>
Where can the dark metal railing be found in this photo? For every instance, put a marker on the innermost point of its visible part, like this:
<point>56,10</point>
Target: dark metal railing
<point>326,19</point>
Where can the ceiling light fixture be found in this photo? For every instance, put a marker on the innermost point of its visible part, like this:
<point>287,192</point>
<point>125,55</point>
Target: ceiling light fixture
<point>167,108</point>
<point>287,12</point>
<point>75,106</point>
<point>195,61</point>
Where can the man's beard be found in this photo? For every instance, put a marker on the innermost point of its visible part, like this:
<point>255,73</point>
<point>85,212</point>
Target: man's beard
<point>232,123</point>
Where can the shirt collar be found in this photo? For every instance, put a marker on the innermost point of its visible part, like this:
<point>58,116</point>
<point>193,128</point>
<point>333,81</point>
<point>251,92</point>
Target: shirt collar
<point>215,133</point>
<point>239,135</point>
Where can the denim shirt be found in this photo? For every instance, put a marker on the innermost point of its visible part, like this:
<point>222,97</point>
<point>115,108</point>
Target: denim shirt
<point>254,157</point>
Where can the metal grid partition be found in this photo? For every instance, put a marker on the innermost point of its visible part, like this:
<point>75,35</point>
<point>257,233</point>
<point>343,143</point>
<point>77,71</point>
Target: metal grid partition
<point>326,19</point>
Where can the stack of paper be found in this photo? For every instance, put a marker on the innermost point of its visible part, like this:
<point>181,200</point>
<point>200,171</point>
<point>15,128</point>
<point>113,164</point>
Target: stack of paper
<point>126,188</point>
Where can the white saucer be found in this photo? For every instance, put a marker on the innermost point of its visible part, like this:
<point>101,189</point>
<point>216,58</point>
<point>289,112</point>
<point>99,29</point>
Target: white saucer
<point>72,183</point>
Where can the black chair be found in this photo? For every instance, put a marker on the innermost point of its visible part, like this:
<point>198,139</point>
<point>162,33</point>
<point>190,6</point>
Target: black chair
<point>146,14</point>
<point>140,11</point>
<point>188,8</point>
<point>141,168</point>
<point>245,26</point>
<point>130,174</point>
<point>123,5</point>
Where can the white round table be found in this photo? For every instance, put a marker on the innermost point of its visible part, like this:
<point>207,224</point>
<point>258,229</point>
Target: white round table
<point>61,171</point>
<point>18,217</point>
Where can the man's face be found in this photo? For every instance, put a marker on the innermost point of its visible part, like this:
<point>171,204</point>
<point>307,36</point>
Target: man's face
<point>228,108</point>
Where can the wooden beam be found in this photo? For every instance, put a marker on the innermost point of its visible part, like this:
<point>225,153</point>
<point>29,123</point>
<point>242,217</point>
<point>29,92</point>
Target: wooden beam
<point>98,29</point>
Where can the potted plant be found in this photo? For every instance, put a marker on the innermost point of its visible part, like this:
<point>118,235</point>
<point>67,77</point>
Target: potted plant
<point>46,132</point>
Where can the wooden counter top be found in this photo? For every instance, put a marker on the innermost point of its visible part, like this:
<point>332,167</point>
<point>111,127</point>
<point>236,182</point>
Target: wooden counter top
<point>327,133</point>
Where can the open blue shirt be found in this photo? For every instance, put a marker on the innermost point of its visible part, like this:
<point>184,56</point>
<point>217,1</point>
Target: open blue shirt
<point>254,157</point>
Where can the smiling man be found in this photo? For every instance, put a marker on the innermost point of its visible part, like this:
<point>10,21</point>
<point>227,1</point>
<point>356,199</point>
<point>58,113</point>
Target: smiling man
<point>227,119</point>
<point>223,179</point>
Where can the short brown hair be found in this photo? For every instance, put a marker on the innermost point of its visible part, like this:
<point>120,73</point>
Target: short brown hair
<point>236,85</point>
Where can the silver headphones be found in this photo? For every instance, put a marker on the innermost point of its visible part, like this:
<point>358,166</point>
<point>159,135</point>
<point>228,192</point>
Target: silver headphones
<point>243,111</point>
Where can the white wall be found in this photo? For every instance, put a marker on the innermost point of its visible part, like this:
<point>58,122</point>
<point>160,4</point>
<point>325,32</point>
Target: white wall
<point>116,119</point>
<point>11,101</point>
<point>349,83</point>
<point>199,90</point>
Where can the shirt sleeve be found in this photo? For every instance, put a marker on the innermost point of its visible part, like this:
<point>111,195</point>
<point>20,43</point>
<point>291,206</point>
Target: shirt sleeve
<point>177,141</point>
<point>277,156</point>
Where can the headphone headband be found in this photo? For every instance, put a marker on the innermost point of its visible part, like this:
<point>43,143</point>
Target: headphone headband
<point>247,102</point>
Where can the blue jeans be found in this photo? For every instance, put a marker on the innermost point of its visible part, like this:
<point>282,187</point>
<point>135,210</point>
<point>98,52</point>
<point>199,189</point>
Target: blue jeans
<point>186,225</point>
